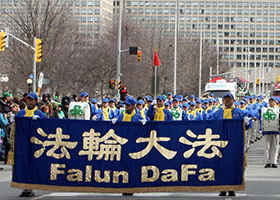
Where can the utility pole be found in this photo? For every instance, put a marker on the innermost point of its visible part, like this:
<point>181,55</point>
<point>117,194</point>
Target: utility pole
<point>118,78</point>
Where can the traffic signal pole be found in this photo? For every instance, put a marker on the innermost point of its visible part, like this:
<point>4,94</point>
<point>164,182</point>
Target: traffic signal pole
<point>118,78</point>
<point>34,61</point>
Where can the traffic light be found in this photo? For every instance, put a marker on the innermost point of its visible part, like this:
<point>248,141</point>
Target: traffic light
<point>119,84</point>
<point>278,79</point>
<point>38,50</point>
<point>112,84</point>
<point>2,41</point>
<point>139,55</point>
<point>133,50</point>
<point>258,81</point>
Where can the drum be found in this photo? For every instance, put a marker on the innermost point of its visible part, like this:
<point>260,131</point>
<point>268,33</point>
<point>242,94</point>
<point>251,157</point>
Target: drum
<point>270,119</point>
<point>79,110</point>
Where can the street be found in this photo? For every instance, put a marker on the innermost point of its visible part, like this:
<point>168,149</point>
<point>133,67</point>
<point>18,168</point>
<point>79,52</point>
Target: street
<point>261,183</point>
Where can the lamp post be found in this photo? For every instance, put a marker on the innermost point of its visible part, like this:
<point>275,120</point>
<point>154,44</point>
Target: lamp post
<point>29,82</point>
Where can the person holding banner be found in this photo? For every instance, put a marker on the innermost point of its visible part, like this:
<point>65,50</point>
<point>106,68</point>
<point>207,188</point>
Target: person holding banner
<point>31,110</point>
<point>130,114</point>
<point>271,132</point>
<point>228,111</point>
<point>159,112</point>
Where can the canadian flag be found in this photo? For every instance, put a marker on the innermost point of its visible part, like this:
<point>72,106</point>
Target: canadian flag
<point>156,60</point>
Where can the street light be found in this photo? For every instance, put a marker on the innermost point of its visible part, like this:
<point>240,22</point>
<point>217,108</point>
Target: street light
<point>29,82</point>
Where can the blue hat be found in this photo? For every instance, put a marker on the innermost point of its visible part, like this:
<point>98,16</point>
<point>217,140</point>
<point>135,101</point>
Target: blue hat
<point>246,97</point>
<point>32,96</point>
<point>186,105</point>
<point>203,107</point>
<point>167,103</point>
<point>160,97</point>
<point>174,96</point>
<point>254,96</point>
<point>211,100</point>
<point>150,99</point>
<point>140,102</point>
<point>180,96</point>
<point>192,103</point>
<point>122,103</point>
<point>93,100</point>
<point>185,99</point>
<point>176,99</point>
<point>236,103</point>
<point>251,97</point>
<point>130,101</point>
<point>169,93</point>
<point>261,96</point>
<point>212,95</point>
<point>245,100</point>
<point>105,100</point>
<point>198,101</point>
<point>228,95</point>
<point>192,96</point>
<point>206,101</point>
<point>242,102</point>
<point>83,94</point>
<point>197,98</point>
<point>112,100</point>
<point>272,98</point>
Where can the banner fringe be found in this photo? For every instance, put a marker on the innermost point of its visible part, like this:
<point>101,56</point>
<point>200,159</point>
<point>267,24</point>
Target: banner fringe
<point>129,190</point>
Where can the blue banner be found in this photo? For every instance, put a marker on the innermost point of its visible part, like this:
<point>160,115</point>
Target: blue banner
<point>90,156</point>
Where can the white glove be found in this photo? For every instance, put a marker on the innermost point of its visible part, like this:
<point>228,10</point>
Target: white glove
<point>155,107</point>
<point>246,120</point>
<point>35,117</point>
<point>143,121</point>
<point>114,120</point>
<point>94,117</point>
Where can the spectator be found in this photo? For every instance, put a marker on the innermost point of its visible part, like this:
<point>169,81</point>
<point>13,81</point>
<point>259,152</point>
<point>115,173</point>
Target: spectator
<point>46,110</point>
<point>4,102</point>
<point>3,128</point>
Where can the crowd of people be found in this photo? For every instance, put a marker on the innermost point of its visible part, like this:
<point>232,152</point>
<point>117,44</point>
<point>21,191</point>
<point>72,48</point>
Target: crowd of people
<point>142,109</point>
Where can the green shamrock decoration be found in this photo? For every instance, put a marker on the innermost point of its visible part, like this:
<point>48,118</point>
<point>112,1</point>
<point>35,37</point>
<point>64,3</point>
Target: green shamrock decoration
<point>76,111</point>
<point>175,113</point>
<point>269,115</point>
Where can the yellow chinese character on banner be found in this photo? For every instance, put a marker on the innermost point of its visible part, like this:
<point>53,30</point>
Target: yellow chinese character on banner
<point>57,143</point>
<point>110,148</point>
<point>153,142</point>
<point>207,143</point>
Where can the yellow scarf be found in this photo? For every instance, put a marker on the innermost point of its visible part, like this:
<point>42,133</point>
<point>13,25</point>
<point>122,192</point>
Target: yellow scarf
<point>218,105</point>
<point>193,112</point>
<point>210,107</point>
<point>159,116</point>
<point>106,113</point>
<point>228,112</point>
<point>243,108</point>
<point>198,109</point>
<point>114,108</point>
<point>127,117</point>
<point>30,113</point>
<point>142,112</point>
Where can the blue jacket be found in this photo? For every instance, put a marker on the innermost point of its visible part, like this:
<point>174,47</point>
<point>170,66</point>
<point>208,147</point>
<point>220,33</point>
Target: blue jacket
<point>237,113</point>
<point>167,114</point>
<point>38,112</point>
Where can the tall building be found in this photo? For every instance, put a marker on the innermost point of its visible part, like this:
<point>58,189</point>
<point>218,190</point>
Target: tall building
<point>245,31</point>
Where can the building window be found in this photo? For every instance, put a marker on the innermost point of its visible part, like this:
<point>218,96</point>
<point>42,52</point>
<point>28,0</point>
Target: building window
<point>97,11</point>
<point>233,11</point>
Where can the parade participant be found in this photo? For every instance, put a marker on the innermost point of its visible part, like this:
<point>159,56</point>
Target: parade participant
<point>107,112</point>
<point>212,96</point>
<point>207,109</point>
<point>178,113</point>
<point>158,112</point>
<point>30,110</point>
<point>169,96</point>
<point>197,115</point>
<point>192,98</point>
<point>200,110</point>
<point>185,100</point>
<point>186,108</point>
<point>112,104</point>
<point>167,105</point>
<point>140,107</point>
<point>228,111</point>
<point>271,141</point>
<point>130,114</point>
